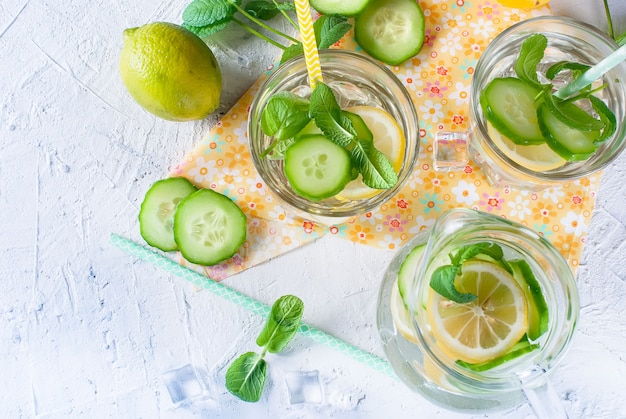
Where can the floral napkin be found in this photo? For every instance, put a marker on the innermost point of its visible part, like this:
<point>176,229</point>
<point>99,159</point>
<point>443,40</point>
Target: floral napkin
<point>438,79</point>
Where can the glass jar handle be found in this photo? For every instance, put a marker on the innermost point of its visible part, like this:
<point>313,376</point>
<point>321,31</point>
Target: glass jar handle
<point>544,401</point>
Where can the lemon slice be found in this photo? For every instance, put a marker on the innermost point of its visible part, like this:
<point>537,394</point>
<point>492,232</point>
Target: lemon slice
<point>539,158</point>
<point>400,315</point>
<point>388,138</point>
<point>487,327</point>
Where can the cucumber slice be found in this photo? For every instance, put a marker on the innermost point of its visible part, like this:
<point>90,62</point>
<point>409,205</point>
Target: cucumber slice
<point>156,216</point>
<point>538,316</point>
<point>391,31</point>
<point>406,274</point>
<point>308,129</point>
<point>208,227</point>
<point>317,168</point>
<point>339,7</point>
<point>521,348</point>
<point>509,104</point>
<point>567,142</point>
<point>362,131</point>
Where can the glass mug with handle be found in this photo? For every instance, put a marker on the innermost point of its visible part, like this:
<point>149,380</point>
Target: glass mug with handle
<point>475,312</point>
<point>517,135</point>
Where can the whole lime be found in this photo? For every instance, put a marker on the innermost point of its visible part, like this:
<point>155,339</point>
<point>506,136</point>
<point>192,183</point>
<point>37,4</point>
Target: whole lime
<point>170,71</point>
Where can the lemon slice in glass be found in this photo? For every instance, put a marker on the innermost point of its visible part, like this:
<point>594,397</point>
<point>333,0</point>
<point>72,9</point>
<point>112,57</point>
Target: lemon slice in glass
<point>539,158</point>
<point>487,327</point>
<point>400,315</point>
<point>388,138</point>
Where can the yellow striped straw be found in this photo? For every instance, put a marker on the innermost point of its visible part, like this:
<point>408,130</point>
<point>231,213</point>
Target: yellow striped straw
<point>311,57</point>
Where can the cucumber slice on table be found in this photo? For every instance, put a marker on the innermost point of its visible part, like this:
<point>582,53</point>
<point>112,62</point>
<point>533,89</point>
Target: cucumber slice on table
<point>156,216</point>
<point>209,228</point>
<point>317,168</point>
<point>509,104</point>
<point>567,142</point>
<point>391,31</point>
<point>339,7</point>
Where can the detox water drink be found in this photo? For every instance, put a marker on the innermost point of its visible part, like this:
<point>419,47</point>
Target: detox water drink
<point>537,166</point>
<point>412,314</point>
<point>357,80</point>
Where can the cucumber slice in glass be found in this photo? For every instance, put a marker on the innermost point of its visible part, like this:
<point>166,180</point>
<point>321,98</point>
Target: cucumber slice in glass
<point>521,348</point>
<point>391,31</point>
<point>538,315</point>
<point>509,104</point>
<point>339,7</point>
<point>406,274</point>
<point>362,131</point>
<point>317,168</point>
<point>208,227</point>
<point>567,142</point>
<point>156,216</point>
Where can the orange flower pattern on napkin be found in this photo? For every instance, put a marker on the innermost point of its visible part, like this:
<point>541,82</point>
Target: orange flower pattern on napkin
<point>438,79</point>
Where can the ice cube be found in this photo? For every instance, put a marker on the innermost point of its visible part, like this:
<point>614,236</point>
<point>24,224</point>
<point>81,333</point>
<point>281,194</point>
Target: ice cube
<point>304,387</point>
<point>450,151</point>
<point>182,383</point>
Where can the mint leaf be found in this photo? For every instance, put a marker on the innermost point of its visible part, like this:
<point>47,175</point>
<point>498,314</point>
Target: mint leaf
<point>204,31</point>
<point>621,40</point>
<point>201,13</point>
<point>282,324</point>
<point>492,250</point>
<point>531,53</point>
<point>442,281</point>
<point>330,29</point>
<point>571,115</point>
<point>576,68</point>
<point>285,115</point>
<point>266,9</point>
<point>374,166</point>
<point>245,377</point>
<point>328,116</point>
<point>470,251</point>
<point>262,9</point>
<point>606,116</point>
<point>293,50</point>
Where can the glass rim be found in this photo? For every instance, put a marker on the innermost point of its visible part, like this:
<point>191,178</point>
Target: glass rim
<point>551,176</point>
<point>296,66</point>
<point>559,335</point>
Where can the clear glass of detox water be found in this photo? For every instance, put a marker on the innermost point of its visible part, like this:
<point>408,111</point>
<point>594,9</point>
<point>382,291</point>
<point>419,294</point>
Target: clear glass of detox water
<point>356,80</point>
<point>568,40</point>
<point>423,363</point>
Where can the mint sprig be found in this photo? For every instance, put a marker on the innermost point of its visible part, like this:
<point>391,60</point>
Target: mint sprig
<point>442,279</point>
<point>375,168</point>
<point>285,115</point>
<point>565,110</point>
<point>207,17</point>
<point>245,377</point>
<point>530,55</point>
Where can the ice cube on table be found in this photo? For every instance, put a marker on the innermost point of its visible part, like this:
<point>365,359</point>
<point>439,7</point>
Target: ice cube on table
<point>450,151</point>
<point>304,387</point>
<point>182,383</point>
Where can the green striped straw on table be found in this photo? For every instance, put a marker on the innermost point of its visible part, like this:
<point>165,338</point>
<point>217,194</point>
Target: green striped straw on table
<point>249,303</point>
